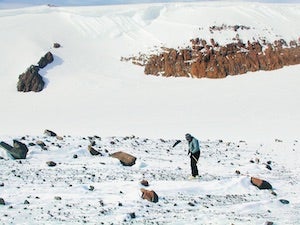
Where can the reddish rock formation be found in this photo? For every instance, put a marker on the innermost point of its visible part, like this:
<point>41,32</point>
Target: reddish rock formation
<point>214,61</point>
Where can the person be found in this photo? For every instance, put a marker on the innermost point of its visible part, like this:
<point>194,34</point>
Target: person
<point>194,152</point>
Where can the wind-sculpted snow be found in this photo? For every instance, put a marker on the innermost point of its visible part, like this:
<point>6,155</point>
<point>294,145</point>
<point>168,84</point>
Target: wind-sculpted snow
<point>100,190</point>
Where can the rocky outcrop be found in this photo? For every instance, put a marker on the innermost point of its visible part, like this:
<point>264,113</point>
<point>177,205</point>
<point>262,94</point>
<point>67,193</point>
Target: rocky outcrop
<point>209,59</point>
<point>31,80</point>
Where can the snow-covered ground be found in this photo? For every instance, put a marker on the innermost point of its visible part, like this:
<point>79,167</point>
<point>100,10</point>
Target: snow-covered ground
<point>90,91</point>
<point>99,190</point>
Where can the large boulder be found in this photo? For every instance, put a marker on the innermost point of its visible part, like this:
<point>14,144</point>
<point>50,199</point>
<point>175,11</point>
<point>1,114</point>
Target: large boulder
<point>17,151</point>
<point>125,158</point>
<point>45,60</point>
<point>31,80</point>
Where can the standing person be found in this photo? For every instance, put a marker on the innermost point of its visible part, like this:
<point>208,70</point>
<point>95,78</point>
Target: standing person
<point>194,152</point>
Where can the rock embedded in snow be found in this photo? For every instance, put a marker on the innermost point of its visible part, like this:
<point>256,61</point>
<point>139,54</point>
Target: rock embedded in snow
<point>45,60</point>
<point>145,183</point>
<point>2,202</point>
<point>125,158</point>
<point>261,184</point>
<point>56,45</point>
<point>31,80</point>
<point>51,163</point>
<point>50,133</point>
<point>151,196</point>
<point>93,151</point>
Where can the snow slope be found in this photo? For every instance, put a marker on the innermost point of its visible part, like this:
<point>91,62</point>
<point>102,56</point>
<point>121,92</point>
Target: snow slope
<point>90,91</point>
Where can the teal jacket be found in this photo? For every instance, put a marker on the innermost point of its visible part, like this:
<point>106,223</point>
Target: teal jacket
<point>194,146</point>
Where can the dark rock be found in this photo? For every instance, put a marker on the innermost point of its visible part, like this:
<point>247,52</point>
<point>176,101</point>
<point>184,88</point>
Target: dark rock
<point>31,80</point>
<point>17,151</point>
<point>132,215</point>
<point>1,184</point>
<point>91,188</point>
<point>26,202</point>
<point>269,223</point>
<point>145,183</point>
<point>125,158</point>
<point>51,163</point>
<point>93,151</point>
<point>176,143</point>
<point>268,167</point>
<point>45,60</point>
<point>57,198</point>
<point>50,133</point>
<point>284,201</point>
<point>2,202</point>
<point>56,45</point>
<point>75,156</point>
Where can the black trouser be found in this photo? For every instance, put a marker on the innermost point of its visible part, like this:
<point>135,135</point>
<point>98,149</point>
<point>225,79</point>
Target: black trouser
<point>194,160</point>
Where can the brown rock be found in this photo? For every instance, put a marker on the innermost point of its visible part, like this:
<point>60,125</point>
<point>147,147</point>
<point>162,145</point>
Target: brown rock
<point>149,195</point>
<point>125,158</point>
<point>261,184</point>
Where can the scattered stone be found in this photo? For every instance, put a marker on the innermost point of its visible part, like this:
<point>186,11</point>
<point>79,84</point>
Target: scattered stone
<point>238,172</point>
<point>51,163</point>
<point>274,193</point>
<point>31,80</point>
<point>269,223</point>
<point>50,133</point>
<point>59,138</point>
<point>132,215</point>
<point>125,158</point>
<point>191,204</point>
<point>57,198</point>
<point>284,201</point>
<point>176,143</point>
<point>41,144</point>
<point>56,45</point>
<point>26,202</point>
<point>2,202</point>
<point>91,188</point>
<point>93,151</point>
<point>261,184</point>
<point>1,184</point>
<point>149,195</point>
<point>145,183</point>
<point>75,156</point>
<point>268,167</point>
